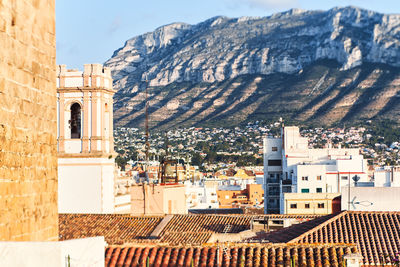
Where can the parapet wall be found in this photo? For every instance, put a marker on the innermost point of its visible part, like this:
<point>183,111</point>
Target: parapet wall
<point>93,75</point>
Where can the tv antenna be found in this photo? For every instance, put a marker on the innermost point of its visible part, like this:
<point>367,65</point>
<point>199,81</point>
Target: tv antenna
<point>364,203</point>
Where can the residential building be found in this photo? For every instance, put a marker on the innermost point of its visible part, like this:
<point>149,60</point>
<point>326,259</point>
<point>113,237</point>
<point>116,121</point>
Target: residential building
<point>290,166</point>
<point>251,196</point>
<point>156,199</point>
<point>387,176</point>
<point>201,195</point>
<point>311,203</point>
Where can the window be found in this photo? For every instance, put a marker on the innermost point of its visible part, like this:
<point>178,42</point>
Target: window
<point>319,190</point>
<point>305,190</point>
<point>319,178</point>
<point>274,162</point>
<point>75,122</point>
<point>321,205</point>
<point>307,205</point>
<point>293,206</point>
<point>304,178</point>
<point>343,177</point>
<point>274,148</point>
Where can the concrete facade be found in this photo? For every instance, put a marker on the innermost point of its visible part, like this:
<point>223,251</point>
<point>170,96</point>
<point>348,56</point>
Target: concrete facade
<point>291,167</point>
<point>371,198</point>
<point>28,123</point>
<point>156,199</point>
<point>86,169</point>
<point>310,203</point>
<point>251,196</point>
<point>201,195</point>
<point>387,176</point>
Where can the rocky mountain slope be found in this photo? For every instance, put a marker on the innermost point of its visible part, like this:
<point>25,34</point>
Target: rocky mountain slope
<point>313,66</point>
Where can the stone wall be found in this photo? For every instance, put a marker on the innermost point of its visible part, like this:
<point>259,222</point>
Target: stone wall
<point>28,155</point>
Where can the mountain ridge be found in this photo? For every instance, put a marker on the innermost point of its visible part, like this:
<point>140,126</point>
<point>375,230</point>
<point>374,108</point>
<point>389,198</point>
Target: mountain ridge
<point>216,52</point>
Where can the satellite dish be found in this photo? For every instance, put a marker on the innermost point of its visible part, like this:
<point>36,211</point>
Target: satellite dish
<point>356,178</point>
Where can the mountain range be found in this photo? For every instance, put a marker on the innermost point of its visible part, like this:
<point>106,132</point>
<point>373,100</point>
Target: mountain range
<point>310,67</point>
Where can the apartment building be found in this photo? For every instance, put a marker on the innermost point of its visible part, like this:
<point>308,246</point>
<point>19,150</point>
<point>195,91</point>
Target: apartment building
<point>290,166</point>
<point>252,195</point>
<point>311,203</point>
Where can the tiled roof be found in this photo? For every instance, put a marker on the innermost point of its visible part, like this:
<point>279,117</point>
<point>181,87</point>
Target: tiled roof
<point>376,233</point>
<point>116,229</point>
<point>287,234</point>
<point>197,229</point>
<point>216,211</point>
<point>234,255</point>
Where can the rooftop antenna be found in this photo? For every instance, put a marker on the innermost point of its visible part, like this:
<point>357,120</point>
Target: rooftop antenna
<point>147,144</point>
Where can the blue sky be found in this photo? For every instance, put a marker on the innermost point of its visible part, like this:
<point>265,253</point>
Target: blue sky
<point>89,31</point>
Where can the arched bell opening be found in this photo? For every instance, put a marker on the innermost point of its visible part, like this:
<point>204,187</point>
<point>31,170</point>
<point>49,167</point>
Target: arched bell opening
<point>75,122</point>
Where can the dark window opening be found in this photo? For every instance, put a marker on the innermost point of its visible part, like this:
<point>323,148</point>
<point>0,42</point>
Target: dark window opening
<point>319,190</point>
<point>274,162</point>
<point>321,205</point>
<point>307,205</point>
<point>75,121</point>
<point>293,206</point>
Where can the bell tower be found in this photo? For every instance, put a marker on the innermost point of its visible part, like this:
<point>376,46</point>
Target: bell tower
<point>85,139</point>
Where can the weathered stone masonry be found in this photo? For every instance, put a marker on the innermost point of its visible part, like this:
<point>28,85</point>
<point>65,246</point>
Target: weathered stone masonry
<point>28,155</point>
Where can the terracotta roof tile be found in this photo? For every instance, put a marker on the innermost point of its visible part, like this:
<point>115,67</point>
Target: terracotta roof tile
<point>287,234</point>
<point>116,229</point>
<point>197,228</point>
<point>193,229</point>
<point>375,233</point>
<point>230,255</point>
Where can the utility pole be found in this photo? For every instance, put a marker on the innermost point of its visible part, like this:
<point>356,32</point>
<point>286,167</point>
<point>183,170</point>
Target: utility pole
<point>348,193</point>
<point>147,144</point>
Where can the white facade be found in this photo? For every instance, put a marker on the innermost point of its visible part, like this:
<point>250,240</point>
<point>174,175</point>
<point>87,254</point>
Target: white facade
<point>371,198</point>
<point>200,196</point>
<point>388,176</point>
<point>290,166</point>
<point>77,252</point>
<point>85,141</point>
<point>86,185</point>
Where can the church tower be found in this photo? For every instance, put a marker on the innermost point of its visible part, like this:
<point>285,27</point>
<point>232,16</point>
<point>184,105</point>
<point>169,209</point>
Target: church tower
<point>85,140</point>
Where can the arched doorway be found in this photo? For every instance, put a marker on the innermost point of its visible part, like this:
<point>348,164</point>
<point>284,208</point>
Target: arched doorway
<point>75,122</point>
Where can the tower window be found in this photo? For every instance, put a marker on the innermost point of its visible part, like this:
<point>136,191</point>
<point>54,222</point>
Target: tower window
<point>75,121</point>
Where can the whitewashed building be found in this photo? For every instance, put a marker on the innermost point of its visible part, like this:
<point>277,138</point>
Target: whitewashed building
<point>85,140</point>
<point>201,195</point>
<point>291,166</point>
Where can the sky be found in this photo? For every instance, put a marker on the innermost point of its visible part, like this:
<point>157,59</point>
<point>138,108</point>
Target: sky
<point>89,31</point>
